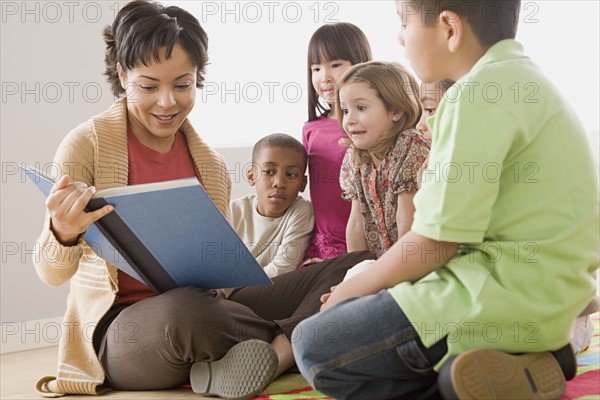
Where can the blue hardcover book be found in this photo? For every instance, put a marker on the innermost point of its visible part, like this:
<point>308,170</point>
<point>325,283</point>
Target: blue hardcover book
<point>167,235</point>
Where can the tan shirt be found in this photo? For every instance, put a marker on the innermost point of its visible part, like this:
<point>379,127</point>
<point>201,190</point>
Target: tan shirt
<point>278,244</point>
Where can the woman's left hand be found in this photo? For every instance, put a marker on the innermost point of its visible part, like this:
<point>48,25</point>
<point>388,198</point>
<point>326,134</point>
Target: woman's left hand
<point>330,299</point>
<point>325,297</point>
<point>347,289</point>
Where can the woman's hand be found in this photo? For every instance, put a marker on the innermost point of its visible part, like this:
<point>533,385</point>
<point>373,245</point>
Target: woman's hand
<point>326,296</point>
<point>337,296</point>
<point>66,206</point>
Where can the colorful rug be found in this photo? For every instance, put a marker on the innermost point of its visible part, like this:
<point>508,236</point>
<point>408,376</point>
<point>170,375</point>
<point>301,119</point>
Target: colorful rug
<point>585,386</point>
<point>290,387</point>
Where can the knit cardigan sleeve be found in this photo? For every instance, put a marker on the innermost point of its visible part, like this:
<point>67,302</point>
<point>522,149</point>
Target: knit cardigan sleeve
<point>55,263</point>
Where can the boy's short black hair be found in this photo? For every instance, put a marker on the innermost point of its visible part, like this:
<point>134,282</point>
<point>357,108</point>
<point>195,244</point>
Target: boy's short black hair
<point>142,29</point>
<point>280,140</point>
<point>490,20</point>
<point>445,84</point>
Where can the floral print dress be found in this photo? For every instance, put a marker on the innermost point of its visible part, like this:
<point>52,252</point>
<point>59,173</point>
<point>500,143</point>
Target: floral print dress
<point>378,188</point>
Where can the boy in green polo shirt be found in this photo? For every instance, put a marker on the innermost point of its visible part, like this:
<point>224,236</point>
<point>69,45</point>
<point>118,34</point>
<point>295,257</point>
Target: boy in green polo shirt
<point>504,241</point>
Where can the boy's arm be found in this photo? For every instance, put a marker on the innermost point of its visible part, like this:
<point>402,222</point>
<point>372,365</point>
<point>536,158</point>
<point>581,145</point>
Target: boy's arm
<point>297,233</point>
<point>405,212</point>
<point>355,229</point>
<point>408,260</point>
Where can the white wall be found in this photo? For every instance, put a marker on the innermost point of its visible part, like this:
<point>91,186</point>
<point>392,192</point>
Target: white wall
<point>52,62</point>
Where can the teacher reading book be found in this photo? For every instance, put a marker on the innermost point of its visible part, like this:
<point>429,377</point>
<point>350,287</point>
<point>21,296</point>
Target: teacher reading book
<point>117,333</point>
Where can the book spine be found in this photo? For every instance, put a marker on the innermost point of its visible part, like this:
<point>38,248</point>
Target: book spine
<point>131,249</point>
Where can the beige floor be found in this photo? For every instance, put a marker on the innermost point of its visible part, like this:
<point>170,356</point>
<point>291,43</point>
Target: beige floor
<point>19,372</point>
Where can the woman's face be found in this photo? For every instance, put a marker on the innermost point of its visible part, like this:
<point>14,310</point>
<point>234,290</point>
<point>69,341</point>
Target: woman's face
<point>160,96</point>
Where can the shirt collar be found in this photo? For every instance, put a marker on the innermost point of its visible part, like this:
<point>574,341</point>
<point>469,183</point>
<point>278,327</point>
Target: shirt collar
<point>503,50</point>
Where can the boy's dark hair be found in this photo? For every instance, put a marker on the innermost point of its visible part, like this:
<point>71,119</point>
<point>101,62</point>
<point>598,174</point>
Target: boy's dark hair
<point>339,41</point>
<point>445,84</point>
<point>441,87</point>
<point>490,20</point>
<point>142,29</point>
<point>280,140</point>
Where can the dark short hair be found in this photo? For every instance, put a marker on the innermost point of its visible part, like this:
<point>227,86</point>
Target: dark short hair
<point>339,41</point>
<point>445,84</point>
<point>490,20</point>
<point>142,29</point>
<point>282,141</point>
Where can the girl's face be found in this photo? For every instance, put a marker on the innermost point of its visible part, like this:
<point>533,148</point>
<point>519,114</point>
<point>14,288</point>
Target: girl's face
<point>325,77</point>
<point>430,96</point>
<point>160,96</point>
<point>365,118</point>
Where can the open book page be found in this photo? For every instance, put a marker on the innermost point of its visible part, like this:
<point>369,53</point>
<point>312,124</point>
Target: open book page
<point>145,187</point>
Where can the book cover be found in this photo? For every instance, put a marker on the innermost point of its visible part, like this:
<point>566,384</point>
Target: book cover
<point>167,235</point>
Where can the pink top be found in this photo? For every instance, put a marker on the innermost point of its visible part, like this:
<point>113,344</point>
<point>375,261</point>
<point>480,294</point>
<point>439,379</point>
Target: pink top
<point>378,188</point>
<point>321,140</point>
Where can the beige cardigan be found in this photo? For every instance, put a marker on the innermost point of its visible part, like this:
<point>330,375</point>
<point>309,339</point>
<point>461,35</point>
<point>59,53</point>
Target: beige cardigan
<point>96,153</point>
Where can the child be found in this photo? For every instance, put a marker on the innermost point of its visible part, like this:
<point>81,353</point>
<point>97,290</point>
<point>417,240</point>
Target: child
<point>495,263</point>
<point>378,107</point>
<point>332,49</point>
<point>430,95</point>
<point>583,328</point>
<point>275,222</point>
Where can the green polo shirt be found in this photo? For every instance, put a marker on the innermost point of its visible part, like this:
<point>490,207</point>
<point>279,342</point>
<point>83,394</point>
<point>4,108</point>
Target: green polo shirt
<point>512,177</point>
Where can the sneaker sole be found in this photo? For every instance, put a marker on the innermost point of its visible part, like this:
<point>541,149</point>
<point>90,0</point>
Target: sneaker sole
<point>491,374</point>
<point>245,371</point>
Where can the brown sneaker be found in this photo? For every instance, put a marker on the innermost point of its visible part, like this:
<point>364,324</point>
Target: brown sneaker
<point>245,371</point>
<point>492,374</point>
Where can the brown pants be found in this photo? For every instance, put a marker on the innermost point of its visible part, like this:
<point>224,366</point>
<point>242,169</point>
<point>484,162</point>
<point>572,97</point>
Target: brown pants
<point>152,344</point>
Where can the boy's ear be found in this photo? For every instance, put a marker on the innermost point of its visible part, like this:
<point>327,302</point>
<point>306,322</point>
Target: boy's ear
<point>304,182</point>
<point>252,174</point>
<point>454,28</point>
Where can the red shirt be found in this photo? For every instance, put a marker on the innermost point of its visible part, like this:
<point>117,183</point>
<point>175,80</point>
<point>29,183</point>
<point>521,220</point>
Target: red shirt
<point>146,166</point>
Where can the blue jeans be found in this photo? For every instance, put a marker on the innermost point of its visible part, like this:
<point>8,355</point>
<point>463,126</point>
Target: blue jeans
<point>366,348</point>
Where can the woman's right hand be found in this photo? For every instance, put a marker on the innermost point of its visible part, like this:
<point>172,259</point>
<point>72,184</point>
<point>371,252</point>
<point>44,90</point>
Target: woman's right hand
<point>66,206</point>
